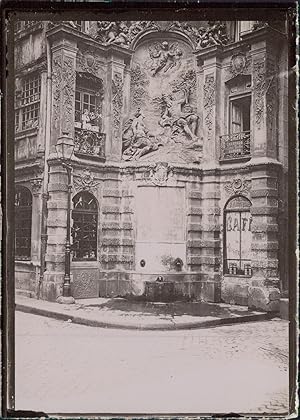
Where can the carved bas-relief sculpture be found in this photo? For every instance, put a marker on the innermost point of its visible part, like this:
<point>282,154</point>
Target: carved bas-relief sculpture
<point>122,33</point>
<point>214,34</point>
<point>137,140</point>
<point>178,119</point>
<point>164,56</point>
<point>163,121</point>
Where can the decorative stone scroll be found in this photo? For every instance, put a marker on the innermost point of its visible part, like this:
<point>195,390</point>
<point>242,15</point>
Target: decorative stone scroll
<point>159,174</point>
<point>238,186</point>
<point>87,62</point>
<point>86,181</point>
<point>240,63</point>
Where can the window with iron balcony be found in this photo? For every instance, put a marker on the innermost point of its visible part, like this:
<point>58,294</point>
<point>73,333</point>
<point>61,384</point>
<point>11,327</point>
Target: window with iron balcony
<point>236,145</point>
<point>89,139</point>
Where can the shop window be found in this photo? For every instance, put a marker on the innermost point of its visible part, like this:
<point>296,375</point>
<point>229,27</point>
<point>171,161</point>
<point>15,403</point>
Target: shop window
<point>237,237</point>
<point>28,104</point>
<point>23,221</point>
<point>240,114</point>
<point>84,230</point>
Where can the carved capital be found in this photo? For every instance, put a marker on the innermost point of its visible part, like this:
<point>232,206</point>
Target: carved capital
<point>36,185</point>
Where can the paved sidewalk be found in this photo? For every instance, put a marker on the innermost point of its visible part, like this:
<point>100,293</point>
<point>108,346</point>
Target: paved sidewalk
<point>124,314</point>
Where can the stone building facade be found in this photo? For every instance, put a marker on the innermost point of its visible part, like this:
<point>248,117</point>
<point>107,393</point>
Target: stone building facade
<point>180,159</point>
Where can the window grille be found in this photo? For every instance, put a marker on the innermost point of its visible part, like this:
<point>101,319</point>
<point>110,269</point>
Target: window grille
<point>23,220</point>
<point>84,230</point>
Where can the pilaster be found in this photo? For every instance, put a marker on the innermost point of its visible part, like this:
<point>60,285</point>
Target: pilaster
<point>64,51</point>
<point>211,81</point>
<point>114,104</point>
<point>265,103</point>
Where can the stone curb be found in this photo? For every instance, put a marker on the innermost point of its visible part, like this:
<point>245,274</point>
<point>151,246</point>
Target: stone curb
<point>162,326</point>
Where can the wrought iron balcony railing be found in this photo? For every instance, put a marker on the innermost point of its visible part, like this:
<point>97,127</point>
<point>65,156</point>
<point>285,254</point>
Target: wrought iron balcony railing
<point>235,146</point>
<point>89,143</point>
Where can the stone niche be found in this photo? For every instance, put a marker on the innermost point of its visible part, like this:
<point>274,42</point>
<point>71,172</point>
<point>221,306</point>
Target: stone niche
<point>163,122</point>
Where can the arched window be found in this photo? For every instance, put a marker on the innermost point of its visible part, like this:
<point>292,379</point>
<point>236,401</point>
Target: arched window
<point>23,217</point>
<point>85,222</point>
<point>237,236</point>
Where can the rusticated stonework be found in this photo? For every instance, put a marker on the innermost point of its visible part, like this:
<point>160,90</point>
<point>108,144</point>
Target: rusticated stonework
<point>64,75</point>
<point>209,102</point>
<point>117,103</point>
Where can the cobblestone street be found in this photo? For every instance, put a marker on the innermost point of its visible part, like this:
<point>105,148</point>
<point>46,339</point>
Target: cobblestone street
<point>63,367</point>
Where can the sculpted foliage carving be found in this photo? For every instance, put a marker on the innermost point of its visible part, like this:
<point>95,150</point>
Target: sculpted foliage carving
<point>117,103</point>
<point>209,101</point>
<point>138,86</point>
<point>64,75</point>
<point>264,80</point>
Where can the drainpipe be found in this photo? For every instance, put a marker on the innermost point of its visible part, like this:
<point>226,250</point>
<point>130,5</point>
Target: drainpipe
<point>43,246</point>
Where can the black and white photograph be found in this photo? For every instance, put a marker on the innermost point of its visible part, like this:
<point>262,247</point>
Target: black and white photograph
<point>152,202</point>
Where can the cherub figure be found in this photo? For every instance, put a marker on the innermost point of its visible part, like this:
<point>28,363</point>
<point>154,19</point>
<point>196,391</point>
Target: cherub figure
<point>123,36</point>
<point>164,56</point>
<point>107,31</point>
